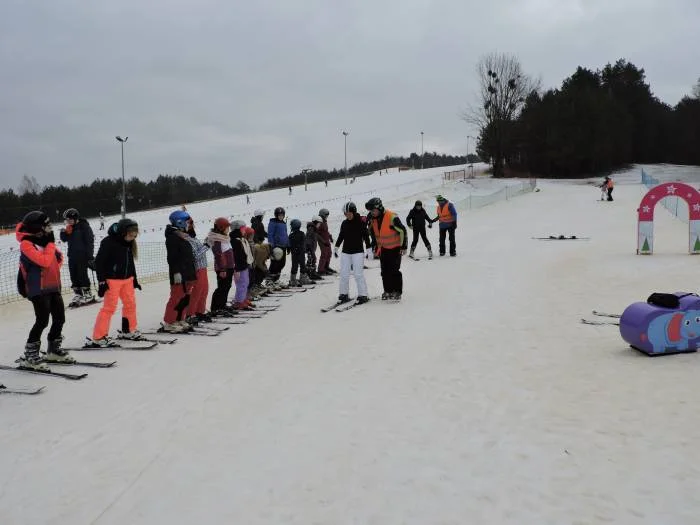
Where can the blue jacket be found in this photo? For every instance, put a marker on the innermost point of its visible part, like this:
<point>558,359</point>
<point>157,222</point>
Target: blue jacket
<point>277,234</point>
<point>81,241</point>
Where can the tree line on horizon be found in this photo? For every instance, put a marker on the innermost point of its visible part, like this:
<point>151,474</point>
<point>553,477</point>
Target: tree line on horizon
<point>596,122</point>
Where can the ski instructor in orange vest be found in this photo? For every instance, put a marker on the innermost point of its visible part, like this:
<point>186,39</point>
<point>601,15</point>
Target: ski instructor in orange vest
<point>447,215</point>
<point>392,241</point>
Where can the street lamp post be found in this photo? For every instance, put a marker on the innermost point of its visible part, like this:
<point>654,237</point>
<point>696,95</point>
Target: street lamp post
<point>422,155</point>
<point>122,141</point>
<point>345,135</point>
<point>466,163</point>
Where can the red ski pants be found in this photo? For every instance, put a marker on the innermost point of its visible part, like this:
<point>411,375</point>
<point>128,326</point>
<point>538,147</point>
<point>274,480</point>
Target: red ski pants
<point>180,295</point>
<point>198,300</point>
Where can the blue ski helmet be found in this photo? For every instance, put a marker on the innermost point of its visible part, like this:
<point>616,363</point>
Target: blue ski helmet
<point>295,224</point>
<point>179,219</point>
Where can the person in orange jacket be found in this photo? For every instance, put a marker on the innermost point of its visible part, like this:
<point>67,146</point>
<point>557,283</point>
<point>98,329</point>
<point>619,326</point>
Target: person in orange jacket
<point>39,280</point>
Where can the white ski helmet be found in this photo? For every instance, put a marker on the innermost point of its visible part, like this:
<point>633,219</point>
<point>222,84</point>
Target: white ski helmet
<point>258,213</point>
<point>316,218</point>
<point>237,224</point>
<point>277,253</point>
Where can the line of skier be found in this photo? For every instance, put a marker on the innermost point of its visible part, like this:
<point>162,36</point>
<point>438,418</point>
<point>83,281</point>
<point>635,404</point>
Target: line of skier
<point>241,254</point>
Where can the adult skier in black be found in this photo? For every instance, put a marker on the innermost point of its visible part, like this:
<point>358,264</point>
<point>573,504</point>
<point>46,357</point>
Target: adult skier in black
<point>355,239</point>
<point>416,220</point>
<point>78,234</point>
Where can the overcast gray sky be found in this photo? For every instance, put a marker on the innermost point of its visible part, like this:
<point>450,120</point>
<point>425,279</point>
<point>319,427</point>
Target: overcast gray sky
<point>249,90</point>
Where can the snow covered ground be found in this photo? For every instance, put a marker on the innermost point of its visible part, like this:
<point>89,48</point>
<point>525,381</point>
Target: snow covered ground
<point>480,398</point>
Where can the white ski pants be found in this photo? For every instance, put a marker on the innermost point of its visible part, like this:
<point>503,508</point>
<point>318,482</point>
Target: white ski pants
<point>356,261</point>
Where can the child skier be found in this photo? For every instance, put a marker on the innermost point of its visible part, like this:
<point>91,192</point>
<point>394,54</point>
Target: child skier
<point>324,240</point>
<point>256,222</point>
<point>218,239</point>
<point>242,257</point>
<point>297,242</point>
<point>196,310</point>
<point>81,248</point>
<point>116,275</point>
<point>354,238</point>
<point>182,271</point>
<point>416,220</point>
<point>39,280</point>
<point>278,238</point>
<point>311,243</point>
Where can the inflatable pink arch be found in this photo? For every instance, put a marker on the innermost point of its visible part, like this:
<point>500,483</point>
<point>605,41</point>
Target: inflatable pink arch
<point>645,228</point>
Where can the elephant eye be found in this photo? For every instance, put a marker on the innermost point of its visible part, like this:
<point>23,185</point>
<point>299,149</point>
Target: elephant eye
<point>686,322</point>
<point>697,319</point>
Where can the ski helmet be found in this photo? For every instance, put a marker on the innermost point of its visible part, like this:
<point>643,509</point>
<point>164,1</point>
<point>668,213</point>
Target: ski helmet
<point>71,213</point>
<point>179,219</point>
<point>323,212</point>
<point>237,224</point>
<point>375,203</point>
<point>349,207</point>
<point>277,253</point>
<point>279,211</point>
<point>221,223</point>
<point>316,218</point>
<point>418,203</point>
<point>258,213</point>
<point>295,224</point>
<point>125,226</point>
<point>35,221</point>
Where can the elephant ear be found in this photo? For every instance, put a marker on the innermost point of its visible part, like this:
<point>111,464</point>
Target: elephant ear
<point>674,327</point>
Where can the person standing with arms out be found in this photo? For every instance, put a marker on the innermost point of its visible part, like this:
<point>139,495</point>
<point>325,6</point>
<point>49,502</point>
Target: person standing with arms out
<point>324,240</point>
<point>447,215</point>
<point>39,280</point>
<point>81,248</point>
<point>355,240</point>
<point>116,274</point>
<point>391,238</point>
<point>278,238</point>
<point>416,220</point>
<point>181,270</point>
<point>297,243</point>
<point>220,242</point>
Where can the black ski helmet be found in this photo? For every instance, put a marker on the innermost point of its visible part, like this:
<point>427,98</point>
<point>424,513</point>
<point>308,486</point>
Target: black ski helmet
<point>125,226</point>
<point>418,203</point>
<point>323,213</point>
<point>349,207</point>
<point>71,213</point>
<point>35,221</point>
<point>279,211</point>
<point>375,203</point>
<point>295,224</point>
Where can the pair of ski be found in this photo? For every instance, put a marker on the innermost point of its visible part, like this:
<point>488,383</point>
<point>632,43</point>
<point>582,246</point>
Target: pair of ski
<point>602,314</point>
<point>344,306</point>
<point>552,238</point>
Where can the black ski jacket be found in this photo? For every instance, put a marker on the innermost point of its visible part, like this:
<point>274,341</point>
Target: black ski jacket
<point>180,255</point>
<point>353,235</point>
<point>115,258</point>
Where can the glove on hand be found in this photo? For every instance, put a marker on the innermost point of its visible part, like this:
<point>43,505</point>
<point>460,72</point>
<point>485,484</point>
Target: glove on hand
<point>177,278</point>
<point>222,275</point>
<point>430,225</point>
<point>335,252</point>
<point>454,225</point>
<point>137,285</point>
<point>102,289</point>
<point>91,264</point>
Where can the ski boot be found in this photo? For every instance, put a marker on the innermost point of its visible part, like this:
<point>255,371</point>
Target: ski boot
<point>130,336</point>
<point>386,296</point>
<point>172,328</point>
<point>77,299</point>
<point>304,280</point>
<point>86,296</point>
<point>395,296</point>
<point>204,317</point>
<point>31,360</point>
<point>103,342</point>
<point>56,354</point>
<point>410,254</point>
<point>343,298</point>
<point>362,299</point>
<point>294,282</point>
<point>430,253</point>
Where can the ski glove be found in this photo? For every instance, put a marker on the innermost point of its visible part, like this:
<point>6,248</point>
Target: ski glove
<point>102,289</point>
<point>91,264</point>
<point>222,275</point>
<point>137,285</point>
<point>454,225</point>
<point>177,278</point>
<point>335,252</point>
<point>430,225</point>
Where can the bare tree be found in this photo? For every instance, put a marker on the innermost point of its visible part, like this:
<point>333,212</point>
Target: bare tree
<point>503,88</point>
<point>696,89</point>
<point>29,185</point>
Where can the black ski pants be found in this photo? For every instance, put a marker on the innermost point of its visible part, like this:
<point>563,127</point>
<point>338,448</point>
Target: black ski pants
<point>223,287</point>
<point>276,267</point>
<point>45,306</point>
<point>610,194</point>
<point>390,264</point>
<point>298,263</point>
<point>416,233</point>
<point>443,234</point>
<point>78,269</point>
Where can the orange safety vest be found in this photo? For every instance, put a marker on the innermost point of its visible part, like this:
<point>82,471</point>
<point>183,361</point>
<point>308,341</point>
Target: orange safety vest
<point>611,184</point>
<point>386,236</point>
<point>444,213</point>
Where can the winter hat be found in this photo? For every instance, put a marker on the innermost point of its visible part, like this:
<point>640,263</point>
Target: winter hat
<point>237,224</point>
<point>418,203</point>
<point>247,231</point>
<point>440,198</point>
<point>221,224</point>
